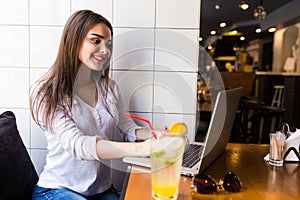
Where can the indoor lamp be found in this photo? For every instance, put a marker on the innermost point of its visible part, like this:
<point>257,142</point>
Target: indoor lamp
<point>260,12</point>
<point>243,5</point>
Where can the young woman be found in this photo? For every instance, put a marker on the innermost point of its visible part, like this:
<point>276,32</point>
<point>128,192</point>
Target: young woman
<point>80,109</point>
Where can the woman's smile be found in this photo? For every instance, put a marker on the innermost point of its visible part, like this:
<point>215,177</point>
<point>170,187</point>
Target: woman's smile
<point>99,59</point>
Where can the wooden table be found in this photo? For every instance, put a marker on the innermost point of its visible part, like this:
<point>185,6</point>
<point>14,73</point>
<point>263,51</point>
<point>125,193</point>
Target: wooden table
<point>259,179</point>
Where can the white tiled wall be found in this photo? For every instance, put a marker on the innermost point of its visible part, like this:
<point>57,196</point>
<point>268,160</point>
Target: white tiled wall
<point>178,13</point>
<point>14,49</point>
<point>44,42</point>
<point>134,13</point>
<point>14,12</point>
<point>133,43</point>
<point>49,12</point>
<point>154,60</point>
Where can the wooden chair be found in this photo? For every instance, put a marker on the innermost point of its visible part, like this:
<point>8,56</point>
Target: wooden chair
<point>240,130</point>
<point>254,121</point>
<point>268,120</point>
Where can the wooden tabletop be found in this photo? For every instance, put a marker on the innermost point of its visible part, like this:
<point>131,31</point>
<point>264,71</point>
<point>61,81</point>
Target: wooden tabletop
<point>259,179</point>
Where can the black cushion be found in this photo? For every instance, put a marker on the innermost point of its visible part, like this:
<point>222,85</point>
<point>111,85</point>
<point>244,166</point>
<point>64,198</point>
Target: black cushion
<point>17,173</point>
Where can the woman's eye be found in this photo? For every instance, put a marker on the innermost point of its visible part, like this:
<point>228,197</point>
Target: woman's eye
<point>96,40</point>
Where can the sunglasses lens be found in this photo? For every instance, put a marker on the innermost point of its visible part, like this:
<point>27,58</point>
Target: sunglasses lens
<point>204,184</point>
<point>232,183</point>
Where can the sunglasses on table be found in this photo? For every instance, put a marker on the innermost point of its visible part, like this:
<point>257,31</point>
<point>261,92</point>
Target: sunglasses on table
<point>205,184</point>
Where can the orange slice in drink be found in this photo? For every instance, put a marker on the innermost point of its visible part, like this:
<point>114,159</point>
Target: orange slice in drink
<point>178,128</point>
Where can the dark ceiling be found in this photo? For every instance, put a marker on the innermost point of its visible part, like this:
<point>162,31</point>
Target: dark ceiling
<point>235,17</point>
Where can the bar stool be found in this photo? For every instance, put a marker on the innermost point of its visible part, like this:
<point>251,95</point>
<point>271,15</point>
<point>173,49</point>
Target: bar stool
<point>278,97</point>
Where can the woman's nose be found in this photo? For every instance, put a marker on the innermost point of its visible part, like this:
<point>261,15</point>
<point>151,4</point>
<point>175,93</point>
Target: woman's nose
<point>103,49</point>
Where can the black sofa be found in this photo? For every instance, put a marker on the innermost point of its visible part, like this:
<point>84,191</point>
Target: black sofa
<point>17,173</point>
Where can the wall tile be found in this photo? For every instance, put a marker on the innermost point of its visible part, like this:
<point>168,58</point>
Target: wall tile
<point>133,49</point>
<point>22,120</point>
<point>144,115</point>
<point>14,84</point>
<point>14,12</point>
<point>49,12</point>
<point>36,73</point>
<point>177,13</point>
<point>134,13</point>
<point>38,138</point>
<point>38,158</point>
<point>14,48</point>
<point>175,92</point>
<point>160,120</point>
<point>102,7</point>
<point>176,50</point>
<point>136,88</point>
<point>44,43</point>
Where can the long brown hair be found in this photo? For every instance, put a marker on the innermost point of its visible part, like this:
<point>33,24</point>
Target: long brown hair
<point>56,89</point>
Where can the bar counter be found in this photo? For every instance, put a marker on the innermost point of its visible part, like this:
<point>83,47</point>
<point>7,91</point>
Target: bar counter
<point>259,179</point>
<point>291,103</point>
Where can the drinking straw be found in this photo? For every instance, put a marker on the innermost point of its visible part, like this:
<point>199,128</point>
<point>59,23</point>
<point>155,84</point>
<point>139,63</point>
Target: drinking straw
<point>144,120</point>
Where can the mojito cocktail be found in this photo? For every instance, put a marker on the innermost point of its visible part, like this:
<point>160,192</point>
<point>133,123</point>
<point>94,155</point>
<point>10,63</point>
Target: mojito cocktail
<point>166,162</point>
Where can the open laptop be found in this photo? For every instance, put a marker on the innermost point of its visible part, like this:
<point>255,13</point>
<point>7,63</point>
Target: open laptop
<point>216,139</point>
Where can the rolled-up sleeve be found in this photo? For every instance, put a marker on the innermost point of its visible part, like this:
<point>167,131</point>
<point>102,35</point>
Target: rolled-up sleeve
<point>72,139</point>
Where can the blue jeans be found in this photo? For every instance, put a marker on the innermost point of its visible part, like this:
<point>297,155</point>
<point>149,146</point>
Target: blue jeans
<point>40,193</point>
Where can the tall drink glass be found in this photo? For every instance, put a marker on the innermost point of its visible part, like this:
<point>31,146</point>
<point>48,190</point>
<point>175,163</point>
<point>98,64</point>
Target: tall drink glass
<point>166,162</point>
<point>277,141</point>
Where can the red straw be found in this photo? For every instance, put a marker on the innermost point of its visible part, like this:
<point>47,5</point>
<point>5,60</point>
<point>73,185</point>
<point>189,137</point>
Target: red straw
<point>144,120</point>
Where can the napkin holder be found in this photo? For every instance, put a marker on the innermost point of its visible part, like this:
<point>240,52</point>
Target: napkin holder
<point>291,149</point>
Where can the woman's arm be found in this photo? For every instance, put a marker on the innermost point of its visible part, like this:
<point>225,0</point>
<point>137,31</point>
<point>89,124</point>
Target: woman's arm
<point>109,150</point>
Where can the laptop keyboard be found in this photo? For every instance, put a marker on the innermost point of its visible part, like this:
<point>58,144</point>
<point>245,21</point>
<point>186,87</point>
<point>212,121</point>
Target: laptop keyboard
<point>191,155</point>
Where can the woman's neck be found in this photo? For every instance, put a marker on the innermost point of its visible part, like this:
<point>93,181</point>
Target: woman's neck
<point>84,77</point>
<point>85,86</point>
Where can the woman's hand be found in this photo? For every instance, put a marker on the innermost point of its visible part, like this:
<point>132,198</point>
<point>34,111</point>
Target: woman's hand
<point>164,130</point>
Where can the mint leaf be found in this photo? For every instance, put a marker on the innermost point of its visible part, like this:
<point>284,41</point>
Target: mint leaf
<point>168,163</point>
<point>159,153</point>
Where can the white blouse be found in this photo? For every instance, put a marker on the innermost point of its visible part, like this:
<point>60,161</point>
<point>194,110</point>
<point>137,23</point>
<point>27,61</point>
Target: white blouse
<point>72,160</point>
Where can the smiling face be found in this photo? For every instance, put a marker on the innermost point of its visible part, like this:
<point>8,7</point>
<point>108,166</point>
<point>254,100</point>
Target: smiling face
<point>96,48</point>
